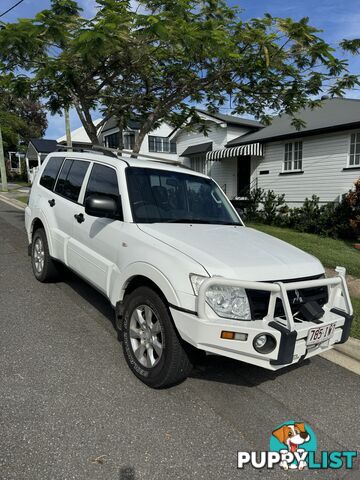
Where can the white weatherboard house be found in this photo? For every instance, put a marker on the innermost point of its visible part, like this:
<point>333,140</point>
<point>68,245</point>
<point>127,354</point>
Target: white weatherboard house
<point>323,158</point>
<point>157,142</point>
<point>195,149</point>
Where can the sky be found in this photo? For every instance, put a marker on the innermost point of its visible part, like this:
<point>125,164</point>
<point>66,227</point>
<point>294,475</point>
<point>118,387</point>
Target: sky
<point>337,18</point>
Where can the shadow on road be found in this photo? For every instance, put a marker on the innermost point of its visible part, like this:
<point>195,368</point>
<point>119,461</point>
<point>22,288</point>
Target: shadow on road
<point>215,368</point>
<point>88,293</point>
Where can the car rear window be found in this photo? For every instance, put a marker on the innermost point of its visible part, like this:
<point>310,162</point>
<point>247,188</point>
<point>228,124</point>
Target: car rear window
<point>50,173</point>
<point>71,178</point>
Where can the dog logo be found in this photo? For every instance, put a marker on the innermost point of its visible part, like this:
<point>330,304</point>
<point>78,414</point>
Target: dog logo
<point>293,440</point>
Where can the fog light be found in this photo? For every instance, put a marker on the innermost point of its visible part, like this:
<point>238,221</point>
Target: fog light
<point>260,341</point>
<point>264,343</point>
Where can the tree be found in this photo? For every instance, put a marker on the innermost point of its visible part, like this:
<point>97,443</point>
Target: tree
<point>21,115</point>
<point>154,63</point>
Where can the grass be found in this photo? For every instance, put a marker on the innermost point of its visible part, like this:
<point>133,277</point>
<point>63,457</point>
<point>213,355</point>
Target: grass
<point>355,329</point>
<point>22,199</point>
<point>329,251</point>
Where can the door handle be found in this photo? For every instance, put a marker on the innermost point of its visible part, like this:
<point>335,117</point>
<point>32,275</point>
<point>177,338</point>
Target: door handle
<point>79,217</point>
<point>51,202</point>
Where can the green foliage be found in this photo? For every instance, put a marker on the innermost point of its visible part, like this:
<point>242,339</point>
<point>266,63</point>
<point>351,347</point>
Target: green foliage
<point>21,115</point>
<point>273,205</point>
<point>336,220</point>
<point>255,197</point>
<point>155,61</point>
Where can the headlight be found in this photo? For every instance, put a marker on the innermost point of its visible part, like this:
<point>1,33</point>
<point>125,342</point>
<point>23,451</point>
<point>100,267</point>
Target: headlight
<point>227,302</point>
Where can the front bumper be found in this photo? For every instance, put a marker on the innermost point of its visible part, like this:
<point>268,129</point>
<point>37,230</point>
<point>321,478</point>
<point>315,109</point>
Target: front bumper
<point>204,329</point>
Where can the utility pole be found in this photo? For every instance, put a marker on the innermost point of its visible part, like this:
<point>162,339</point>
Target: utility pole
<point>2,166</point>
<point>67,128</point>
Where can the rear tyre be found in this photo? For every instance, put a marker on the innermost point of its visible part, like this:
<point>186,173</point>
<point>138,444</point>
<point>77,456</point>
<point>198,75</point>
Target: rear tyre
<point>43,266</point>
<point>151,345</point>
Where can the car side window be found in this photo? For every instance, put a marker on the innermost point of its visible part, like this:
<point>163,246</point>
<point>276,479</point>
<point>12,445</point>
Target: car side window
<point>51,171</point>
<point>71,178</point>
<point>103,181</point>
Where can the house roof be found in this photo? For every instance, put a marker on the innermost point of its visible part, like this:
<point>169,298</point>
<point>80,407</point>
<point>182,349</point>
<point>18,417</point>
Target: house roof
<point>79,135</point>
<point>113,123</point>
<point>335,114</point>
<point>232,119</point>
<point>43,145</point>
<point>196,149</point>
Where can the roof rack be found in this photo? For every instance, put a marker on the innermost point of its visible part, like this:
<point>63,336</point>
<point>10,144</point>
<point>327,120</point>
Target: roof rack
<point>91,148</point>
<point>116,153</point>
<point>153,158</point>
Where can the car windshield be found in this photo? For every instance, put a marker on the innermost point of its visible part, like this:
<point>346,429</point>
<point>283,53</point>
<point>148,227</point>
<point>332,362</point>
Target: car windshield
<point>174,197</point>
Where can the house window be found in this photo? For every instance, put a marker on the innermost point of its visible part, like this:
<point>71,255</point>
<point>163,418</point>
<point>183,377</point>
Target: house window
<point>112,140</point>
<point>129,140</point>
<point>354,158</point>
<point>161,144</point>
<point>293,156</point>
<point>197,162</point>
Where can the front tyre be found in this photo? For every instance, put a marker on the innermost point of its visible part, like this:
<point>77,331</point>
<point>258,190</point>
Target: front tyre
<point>152,347</point>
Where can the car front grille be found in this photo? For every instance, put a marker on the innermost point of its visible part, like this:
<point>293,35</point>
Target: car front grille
<point>259,300</point>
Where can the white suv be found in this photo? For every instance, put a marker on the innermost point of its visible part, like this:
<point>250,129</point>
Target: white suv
<point>166,247</point>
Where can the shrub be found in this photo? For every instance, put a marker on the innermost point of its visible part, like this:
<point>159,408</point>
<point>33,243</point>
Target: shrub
<point>272,204</point>
<point>305,218</point>
<point>353,201</point>
<point>255,198</point>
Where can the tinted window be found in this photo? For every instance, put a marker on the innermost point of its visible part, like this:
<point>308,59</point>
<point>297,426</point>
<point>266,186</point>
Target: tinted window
<point>48,178</point>
<point>103,181</point>
<point>167,196</point>
<point>70,179</point>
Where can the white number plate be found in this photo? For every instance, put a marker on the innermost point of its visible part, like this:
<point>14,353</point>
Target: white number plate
<point>320,334</point>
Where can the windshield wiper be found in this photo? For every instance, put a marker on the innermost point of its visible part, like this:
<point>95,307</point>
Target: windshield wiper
<point>199,220</point>
<point>186,220</point>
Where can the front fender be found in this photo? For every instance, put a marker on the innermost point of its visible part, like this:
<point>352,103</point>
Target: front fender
<point>145,270</point>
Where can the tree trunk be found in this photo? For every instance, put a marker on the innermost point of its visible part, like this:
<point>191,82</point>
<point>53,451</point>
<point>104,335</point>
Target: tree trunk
<point>88,123</point>
<point>145,128</point>
<point>121,132</point>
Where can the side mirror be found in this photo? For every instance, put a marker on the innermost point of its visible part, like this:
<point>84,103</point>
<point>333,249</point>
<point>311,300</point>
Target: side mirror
<point>101,206</point>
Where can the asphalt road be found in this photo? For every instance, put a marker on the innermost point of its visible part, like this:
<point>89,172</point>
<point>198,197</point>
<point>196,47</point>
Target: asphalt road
<point>71,409</point>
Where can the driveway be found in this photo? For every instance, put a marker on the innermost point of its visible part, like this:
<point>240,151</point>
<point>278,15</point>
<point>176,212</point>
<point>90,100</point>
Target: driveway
<point>71,409</point>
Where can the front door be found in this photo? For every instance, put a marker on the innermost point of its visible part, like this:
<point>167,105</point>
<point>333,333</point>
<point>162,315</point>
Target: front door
<point>94,253</point>
<point>243,175</point>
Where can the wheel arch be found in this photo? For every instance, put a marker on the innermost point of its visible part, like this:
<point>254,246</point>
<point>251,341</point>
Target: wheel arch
<point>39,222</point>
<point>143,274</point>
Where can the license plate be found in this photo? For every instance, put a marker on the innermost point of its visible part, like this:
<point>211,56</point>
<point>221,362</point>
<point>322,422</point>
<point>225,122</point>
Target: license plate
<point>320,334</point>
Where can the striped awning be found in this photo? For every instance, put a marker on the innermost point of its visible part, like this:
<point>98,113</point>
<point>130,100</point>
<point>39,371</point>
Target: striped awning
<point>243,150</point>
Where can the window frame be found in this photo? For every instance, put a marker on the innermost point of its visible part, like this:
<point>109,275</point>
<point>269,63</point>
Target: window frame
<point>86,182</point>
<point>348,164</point>
<point>157,139</point>
<point>58,173</point>
<point>77,202</point>
<point>293,150</point>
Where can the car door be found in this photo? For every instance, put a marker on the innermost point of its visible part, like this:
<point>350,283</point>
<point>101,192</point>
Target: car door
<point>97,241</point>
<point>44,199</point>
<point>66,194</point>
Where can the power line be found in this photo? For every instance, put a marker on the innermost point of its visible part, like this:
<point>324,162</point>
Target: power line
<point>11,8</point>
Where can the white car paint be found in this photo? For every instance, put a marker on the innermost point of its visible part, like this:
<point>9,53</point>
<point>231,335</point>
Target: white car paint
<point>109,253</point>
<point>229,251</point>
